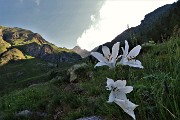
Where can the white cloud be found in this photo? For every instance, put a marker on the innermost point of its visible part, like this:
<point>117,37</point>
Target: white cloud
<point>93,19</point>
<point>115,15</point>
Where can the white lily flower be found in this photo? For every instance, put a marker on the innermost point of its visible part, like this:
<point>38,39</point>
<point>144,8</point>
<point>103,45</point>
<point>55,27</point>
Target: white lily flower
<point>128,58</point>
<point>108,58</point>
<point>118,95</point>
<point>127,106</point>
<point>118,89</point>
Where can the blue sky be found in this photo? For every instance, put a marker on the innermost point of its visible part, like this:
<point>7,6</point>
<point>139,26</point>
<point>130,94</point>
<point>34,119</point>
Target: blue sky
<point>59,21</point>
<point>67,23</point>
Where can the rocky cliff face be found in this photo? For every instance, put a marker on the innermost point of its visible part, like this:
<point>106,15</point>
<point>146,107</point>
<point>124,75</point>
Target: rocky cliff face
<point>157,25</point>
<point>33,44</point>
<point>48,53</point>
<point>3,44</point>
<point>11,55</point>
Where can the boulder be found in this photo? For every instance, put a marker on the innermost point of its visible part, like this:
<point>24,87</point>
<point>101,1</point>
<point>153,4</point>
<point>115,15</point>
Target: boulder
<point>24,113</point>
<point>91,118</point>
<point>72,72</point>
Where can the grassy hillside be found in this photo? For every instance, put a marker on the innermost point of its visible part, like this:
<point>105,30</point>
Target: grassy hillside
<point>11,55</point>
<point>48,90</point>
<point>32,44</point>
<point>20,37</point>
<point>3,45</point>
<point>21,74</point>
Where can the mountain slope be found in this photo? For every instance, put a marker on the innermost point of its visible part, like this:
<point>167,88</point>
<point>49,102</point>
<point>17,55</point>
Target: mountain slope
<point>82,52</point>
<point>51,96</point>
<point>11,55</point>
<point>3,44</point>
<point>34,45</point>
<point>157,26</point>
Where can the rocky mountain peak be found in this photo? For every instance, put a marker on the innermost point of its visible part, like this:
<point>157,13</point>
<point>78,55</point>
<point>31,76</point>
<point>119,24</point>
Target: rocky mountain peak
<point>82,52</point>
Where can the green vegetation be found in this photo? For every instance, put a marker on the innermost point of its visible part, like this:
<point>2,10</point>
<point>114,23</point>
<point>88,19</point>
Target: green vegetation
<point>19,44</point>
<point>3,45</point>
<point>19,37</point>
<point>59,49</point>
<point>47,89</point>
<point>20,74</point>
<point>22,39</point>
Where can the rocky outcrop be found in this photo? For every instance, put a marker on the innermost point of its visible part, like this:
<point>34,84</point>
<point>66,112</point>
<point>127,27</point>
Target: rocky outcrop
<point>11,55</point>
<point>61,57</point>
<point>3,44</point>
<point>15,35</point>
<point>37,50</point>
<point>72,71</point>
<point>29,113</point>
<point>79,72</point>
<point>39,39</point>
<point>1,34</point>
<point>35,45</point>
<point>82,52</point>
<point>47,53</point>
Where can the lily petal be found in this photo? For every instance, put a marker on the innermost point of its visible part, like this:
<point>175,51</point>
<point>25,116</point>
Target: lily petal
<point>125,53</point>
<point>99,56</point>
<point>134,52</point>
<point>123,61</point>
<point>123,50</point>
<point>134,63</point>
<point>126,89</point>
<point>115,51</point>
<point>127,106</point>
<point>111,97</point>
<point>111,64</point>
<point>106,51</point>
<point>120,83</point>
<point>100,64</point>
<point>110,83</point>
<point>120,95</point>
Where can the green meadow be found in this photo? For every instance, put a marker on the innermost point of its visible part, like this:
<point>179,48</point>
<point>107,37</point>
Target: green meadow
<point>34,85</point>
